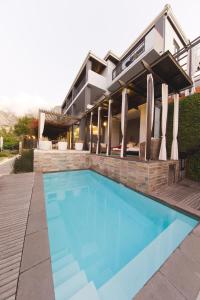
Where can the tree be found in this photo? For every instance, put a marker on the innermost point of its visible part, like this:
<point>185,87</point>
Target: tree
<point>24,126</point>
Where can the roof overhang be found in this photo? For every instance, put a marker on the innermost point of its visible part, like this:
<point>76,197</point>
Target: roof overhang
<point>56,119</point>
<point>165,70</point>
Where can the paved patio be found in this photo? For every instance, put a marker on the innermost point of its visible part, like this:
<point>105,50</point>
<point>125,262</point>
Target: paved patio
<point>25,268</point>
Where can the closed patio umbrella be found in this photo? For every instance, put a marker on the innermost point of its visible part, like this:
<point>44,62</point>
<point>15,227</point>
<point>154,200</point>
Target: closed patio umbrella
<point>163,150</point>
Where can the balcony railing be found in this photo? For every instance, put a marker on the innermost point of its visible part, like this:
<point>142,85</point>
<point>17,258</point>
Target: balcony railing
<point>189,62</point>
<point>68,102</point>
<point>80,86</point>
<point>122,65</point>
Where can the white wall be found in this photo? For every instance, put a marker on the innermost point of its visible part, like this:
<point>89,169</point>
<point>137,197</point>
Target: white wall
<point>97,80</point>
<point>154,40</point>
<point>107,72</point>
<point>170,36</point>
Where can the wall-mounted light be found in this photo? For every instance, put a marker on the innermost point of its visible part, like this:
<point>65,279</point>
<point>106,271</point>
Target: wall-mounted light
<point>104,124</point>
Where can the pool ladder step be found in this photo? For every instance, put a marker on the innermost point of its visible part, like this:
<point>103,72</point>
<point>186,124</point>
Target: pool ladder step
<point>71,286</point>
<point>88,292</point>
<point>59,254</point>
<point>62,262</point>
<point>65,273</point>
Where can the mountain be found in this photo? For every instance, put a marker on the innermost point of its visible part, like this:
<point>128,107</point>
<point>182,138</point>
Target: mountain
<point>7,120</point>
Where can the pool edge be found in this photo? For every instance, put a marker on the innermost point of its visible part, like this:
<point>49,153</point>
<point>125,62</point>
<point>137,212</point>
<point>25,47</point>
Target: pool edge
<point>38,193</point>
<point>35,269</point>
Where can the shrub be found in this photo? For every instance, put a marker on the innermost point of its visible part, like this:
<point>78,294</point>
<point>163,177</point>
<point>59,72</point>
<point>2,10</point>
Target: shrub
<point>4,154</point>
<point>10,140</point>
<point>193,167</point>
<point>188,134</point>
<point>189,125</point>
<point>24,163</point>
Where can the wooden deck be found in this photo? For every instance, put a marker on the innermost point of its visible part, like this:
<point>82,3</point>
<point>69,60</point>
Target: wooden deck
<point>15,195</point>
<point>184,195</point>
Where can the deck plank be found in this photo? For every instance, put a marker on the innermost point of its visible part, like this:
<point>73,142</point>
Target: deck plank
<point>183,195</point>
<point>15,196</point>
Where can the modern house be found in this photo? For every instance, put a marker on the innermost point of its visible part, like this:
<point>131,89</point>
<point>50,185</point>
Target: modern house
<point>117,106</point>
<point>162,42</point>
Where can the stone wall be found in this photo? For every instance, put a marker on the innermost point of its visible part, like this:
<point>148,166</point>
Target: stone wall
<point>51,161</point>
<point>142,176</point>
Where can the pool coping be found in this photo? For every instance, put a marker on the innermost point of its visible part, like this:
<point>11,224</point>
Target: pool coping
<point>35,278</point>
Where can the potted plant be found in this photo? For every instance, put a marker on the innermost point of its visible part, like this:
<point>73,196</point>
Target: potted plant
<point>62,144</point>
<point>45,144</point>
<point>79,145</point>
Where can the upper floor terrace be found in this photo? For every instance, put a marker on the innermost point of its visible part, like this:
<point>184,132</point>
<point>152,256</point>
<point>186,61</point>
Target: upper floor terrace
<point>91,82</point>
<point>99,77</point>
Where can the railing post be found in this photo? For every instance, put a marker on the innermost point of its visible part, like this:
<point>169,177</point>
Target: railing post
<point>91,131</point>
<point>108,151</point>
<point>99,131</point>
<point>124,115</point>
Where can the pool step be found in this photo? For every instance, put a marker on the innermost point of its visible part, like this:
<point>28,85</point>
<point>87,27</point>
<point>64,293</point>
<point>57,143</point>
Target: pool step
<point>88,292</point>
<point>71,286</point>
<point>65,273</point>
<point>63,261</point>
<point>59,254</point>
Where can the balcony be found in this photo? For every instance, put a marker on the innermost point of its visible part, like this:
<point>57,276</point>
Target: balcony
<point>96,83</point>
<point>129,59</point>
<point>149,48</point>
<point>79,86</point>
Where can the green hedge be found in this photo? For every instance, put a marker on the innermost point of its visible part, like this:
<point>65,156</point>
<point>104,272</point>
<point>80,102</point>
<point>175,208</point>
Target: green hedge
<point>24,163</point>
<point>193,167</point>
<point>189,124</point>
<point>189,132</point>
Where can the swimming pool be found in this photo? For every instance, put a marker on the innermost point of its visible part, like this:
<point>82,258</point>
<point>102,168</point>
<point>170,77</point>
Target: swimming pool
<point>106,240</point>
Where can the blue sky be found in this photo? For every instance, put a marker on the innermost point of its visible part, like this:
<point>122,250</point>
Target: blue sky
<point>44,42</point>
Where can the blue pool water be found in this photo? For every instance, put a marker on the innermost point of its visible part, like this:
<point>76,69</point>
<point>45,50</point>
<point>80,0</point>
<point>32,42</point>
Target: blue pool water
<point>103,233</point>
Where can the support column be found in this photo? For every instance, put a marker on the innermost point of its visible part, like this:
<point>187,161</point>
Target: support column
<point>108,150</point>
<point>174,150</point>
<point>99,131</point>
<point>91,131</point>
<point>82,131</point>
<point>163,150</point>
<point>150,114</point>
<point>87,97</point>
<point>41,124</point>
<point>124,115</point>
<point>72,137</point>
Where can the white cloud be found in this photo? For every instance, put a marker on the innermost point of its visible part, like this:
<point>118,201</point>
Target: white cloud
<point>23,104</point>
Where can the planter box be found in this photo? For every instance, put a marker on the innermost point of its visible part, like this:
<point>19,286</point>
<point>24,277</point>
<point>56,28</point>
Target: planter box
<point>62,146</point>
<point>79,146</point>
<point>45,145</point>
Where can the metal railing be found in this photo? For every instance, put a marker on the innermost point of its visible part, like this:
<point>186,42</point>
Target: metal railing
<point>80,86</point>
<point>122,65</point>
<point>187,57</point>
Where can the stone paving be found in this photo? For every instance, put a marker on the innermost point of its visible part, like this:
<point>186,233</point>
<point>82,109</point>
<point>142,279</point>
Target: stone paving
<point>179,277</point>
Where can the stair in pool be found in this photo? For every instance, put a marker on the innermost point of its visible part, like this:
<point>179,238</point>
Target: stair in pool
<point>89,292</point>
<point>70,282</point>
